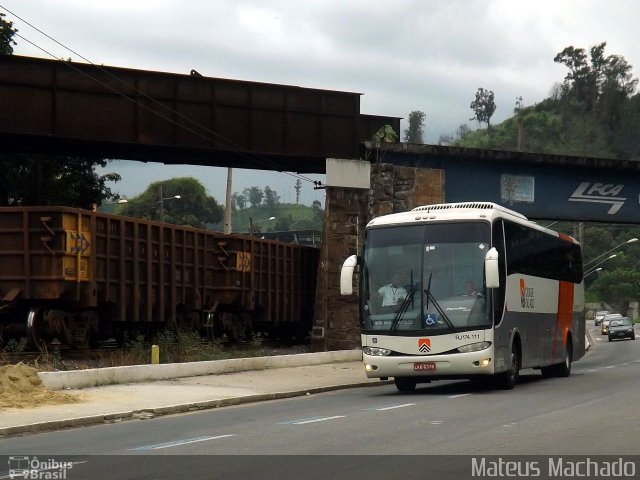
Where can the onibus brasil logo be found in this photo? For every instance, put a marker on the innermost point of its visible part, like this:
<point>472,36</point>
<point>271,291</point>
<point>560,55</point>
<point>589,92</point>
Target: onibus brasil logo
<point>33,468</point>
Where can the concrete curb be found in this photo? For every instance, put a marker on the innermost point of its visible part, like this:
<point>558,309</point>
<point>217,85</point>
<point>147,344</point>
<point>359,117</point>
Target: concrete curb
<point>589,342</point>
<point>145,414</point>
<point>93,377</point>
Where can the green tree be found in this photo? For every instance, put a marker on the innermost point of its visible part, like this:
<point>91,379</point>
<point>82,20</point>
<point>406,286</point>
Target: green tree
<point>445,140</point>
<point>483,106</point>
<point>385,134</point>
<point>318,212</point>
<point>415,132</point>
<point>7,31</point>
<point>271,197</point>
<point>194,207</point>
<point>617,287</point>
<point>597,81</point>
<point>238,201</point>
<point>254,195</point>
<point>578,80</point>
<point>53,180</point>
<point>463,130</point>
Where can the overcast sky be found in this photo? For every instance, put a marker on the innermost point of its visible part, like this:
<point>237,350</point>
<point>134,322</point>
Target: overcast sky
<point>429,55</point>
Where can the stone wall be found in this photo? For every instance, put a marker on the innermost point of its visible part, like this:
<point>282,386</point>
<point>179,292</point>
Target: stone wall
<point>347,211</point>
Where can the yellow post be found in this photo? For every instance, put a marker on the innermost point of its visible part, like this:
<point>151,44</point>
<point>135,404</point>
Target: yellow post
<point>155,354</point>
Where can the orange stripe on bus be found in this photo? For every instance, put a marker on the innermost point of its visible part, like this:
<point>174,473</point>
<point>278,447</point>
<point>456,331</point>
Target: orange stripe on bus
<point>565,315</point>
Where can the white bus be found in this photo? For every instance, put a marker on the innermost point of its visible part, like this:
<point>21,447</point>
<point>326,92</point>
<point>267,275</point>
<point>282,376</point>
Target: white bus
<point>480,292</point>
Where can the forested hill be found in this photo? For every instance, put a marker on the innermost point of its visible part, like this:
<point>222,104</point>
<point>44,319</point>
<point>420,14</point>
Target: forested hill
<point>595,112</point>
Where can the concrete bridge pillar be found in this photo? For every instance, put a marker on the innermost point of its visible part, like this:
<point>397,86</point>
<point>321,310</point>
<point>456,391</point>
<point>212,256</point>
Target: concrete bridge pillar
<point>356,192</point>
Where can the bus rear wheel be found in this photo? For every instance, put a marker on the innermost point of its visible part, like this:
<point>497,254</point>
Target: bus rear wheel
<point>405,384</point>
<point>561,369</point>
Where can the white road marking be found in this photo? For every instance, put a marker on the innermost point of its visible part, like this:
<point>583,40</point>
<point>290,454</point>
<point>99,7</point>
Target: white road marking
<point>592,370</point>
<point>459,395</point>
<point>177,443</point>
<point>395,406</point>
<point>304,421</point>
<point>610,366</point>
<point>437,422</point>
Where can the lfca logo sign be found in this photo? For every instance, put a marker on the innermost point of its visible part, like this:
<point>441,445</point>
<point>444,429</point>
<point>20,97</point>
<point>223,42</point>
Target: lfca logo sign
<point>424,345</point>
<point>599,193</point>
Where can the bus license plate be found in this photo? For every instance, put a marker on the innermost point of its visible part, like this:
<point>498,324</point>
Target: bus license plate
<point>425,366</point>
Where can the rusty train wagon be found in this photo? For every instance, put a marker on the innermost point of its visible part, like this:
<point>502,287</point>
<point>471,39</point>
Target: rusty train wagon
<point>71,276</point>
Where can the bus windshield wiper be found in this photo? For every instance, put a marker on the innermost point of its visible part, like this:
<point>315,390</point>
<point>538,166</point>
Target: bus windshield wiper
<point>438,307</point>
<point>403,308</point>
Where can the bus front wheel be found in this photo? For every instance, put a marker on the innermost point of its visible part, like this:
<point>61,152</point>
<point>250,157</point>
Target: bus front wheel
<point>405,384</point>
<point>509,379</point>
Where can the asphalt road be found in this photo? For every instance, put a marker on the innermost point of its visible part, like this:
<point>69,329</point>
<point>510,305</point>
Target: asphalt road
<point>342,433</point>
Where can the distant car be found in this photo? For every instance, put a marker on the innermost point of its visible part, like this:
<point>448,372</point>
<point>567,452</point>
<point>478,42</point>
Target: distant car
<point>600,315</point>
<point>604,330</point>
<point>621,328</point>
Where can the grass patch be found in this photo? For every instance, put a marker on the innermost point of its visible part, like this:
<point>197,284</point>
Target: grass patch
<point>174,347</point>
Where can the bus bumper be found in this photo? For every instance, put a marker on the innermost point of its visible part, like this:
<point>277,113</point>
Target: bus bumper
<point>458,365</point>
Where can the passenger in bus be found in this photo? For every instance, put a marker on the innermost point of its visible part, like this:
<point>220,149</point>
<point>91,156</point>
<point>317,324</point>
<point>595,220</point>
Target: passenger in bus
<point>470,289</point>
<point>392,293</point>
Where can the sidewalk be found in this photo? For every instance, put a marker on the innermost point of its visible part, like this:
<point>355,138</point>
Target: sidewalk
<point>113,403</point>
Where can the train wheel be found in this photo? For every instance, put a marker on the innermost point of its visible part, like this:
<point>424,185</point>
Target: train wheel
<point>36,330</point>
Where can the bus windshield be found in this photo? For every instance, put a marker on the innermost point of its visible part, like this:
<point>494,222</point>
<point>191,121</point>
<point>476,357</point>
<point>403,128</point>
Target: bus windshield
<point>425,279</point>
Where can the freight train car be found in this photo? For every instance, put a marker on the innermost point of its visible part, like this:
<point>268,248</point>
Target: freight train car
<point>73,276</point>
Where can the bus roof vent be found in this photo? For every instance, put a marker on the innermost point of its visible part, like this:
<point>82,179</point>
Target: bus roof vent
<point>467,206</point>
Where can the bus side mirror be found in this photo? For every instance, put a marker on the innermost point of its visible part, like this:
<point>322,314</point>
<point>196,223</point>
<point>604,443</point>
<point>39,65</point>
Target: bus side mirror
<point>346,275</point>
<point>491,273</point>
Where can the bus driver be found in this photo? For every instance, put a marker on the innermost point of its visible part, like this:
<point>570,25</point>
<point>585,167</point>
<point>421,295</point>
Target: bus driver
<point>392,293</point>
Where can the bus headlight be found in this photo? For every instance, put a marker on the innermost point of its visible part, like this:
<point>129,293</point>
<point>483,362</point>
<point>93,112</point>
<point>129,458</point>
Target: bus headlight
<point>474,347</point>
<point>376,351</point>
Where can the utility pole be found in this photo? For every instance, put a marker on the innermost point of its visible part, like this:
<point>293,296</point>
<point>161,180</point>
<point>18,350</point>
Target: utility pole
<point>227,205</point>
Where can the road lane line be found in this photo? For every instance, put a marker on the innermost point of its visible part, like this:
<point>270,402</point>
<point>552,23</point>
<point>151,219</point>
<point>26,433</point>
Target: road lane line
<point>395,406</point>
<point>304,421</point>
<point>177,443</point>
<point>459,395</point>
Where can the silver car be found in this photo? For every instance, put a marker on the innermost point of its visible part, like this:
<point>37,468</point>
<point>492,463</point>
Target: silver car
<point>600,315</point>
